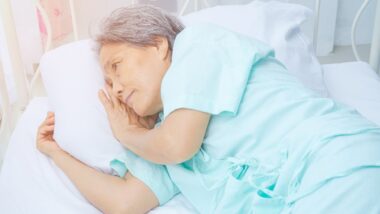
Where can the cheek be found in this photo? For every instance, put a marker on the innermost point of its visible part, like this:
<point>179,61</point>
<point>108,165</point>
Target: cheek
<point>141,105</point>
<point>152,94</point>
<point>149,85</point>
<point>145,101</point>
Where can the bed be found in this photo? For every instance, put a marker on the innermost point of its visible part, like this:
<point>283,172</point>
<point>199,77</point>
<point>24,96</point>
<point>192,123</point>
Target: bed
<point>50,186</point>
<point>45,189</point>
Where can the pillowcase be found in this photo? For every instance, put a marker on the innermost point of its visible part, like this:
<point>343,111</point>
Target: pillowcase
<point>355,84</point>
<point>275,23</point>
<point>72,77</point>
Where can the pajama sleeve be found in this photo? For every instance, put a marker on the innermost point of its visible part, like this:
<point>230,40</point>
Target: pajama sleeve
<point>154,176</point>
<point>210,69</point>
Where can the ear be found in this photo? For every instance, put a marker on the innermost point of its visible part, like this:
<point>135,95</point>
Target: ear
<point>162,47</point>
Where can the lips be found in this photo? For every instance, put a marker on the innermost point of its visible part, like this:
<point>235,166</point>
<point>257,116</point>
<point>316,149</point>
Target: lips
<point>128,99</point>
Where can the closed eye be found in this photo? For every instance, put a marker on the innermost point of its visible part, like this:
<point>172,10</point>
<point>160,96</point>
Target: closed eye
<point>115,65</point>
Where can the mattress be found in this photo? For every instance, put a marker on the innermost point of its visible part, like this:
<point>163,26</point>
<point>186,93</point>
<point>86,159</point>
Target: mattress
<point>354,84</point>
<point>31,183</point>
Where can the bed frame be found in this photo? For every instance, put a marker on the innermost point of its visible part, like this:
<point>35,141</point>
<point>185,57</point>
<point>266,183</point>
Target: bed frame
<point>10,113</point>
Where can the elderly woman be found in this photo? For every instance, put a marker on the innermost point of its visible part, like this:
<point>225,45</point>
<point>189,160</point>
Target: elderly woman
<point>235,132</point>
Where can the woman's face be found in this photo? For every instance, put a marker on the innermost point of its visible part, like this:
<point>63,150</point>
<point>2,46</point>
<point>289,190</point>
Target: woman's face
<point>135,74</point>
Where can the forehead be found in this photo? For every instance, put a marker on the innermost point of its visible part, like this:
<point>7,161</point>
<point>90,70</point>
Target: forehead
<point>109,51</point>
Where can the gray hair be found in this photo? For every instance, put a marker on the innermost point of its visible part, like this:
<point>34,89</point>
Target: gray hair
<point>139,25</point>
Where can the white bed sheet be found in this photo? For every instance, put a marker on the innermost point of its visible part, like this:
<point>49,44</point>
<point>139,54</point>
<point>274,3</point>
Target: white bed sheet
<point>355,84</point>
<point>31,183</point>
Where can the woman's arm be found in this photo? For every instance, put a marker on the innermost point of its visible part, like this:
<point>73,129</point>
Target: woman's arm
<point>178,138</point>
<point>108,193</point>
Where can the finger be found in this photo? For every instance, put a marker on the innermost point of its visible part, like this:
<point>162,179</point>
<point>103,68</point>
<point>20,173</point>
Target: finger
<point>105,101</point>
<point>50,121</point>
<point>46,130</point>
<point>49,115</point>
<point>109,92</point>
<point>43,123</point>
<point>41,131</point>
<point>123,106</point>
<point>115,101</point>
<point>131,115</point>
<point>107,95</point>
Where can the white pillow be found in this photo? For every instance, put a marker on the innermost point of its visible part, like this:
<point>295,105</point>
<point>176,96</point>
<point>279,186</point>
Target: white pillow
<point>356,85</point>
<point>72,77</point>
<point>277,24</point>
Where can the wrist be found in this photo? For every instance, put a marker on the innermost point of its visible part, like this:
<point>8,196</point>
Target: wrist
<point>57,154</point>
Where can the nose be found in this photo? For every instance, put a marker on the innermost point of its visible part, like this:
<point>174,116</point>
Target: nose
<point>117,89</point>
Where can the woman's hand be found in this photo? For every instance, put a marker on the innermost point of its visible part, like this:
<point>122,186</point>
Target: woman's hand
<point>45,141</point>
<point>121,117</point>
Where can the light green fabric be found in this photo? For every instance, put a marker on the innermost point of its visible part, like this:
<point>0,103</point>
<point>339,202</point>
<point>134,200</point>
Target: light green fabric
<point>265,134</point>
<point>265,129</point>
<point>153,175</point>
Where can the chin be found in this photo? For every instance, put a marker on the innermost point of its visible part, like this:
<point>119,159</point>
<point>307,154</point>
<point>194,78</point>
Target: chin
<point>144,111</point>
<point>141,111</point>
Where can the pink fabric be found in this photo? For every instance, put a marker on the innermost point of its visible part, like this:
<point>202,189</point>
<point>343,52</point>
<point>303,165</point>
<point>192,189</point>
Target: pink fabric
<point>59,15</point>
